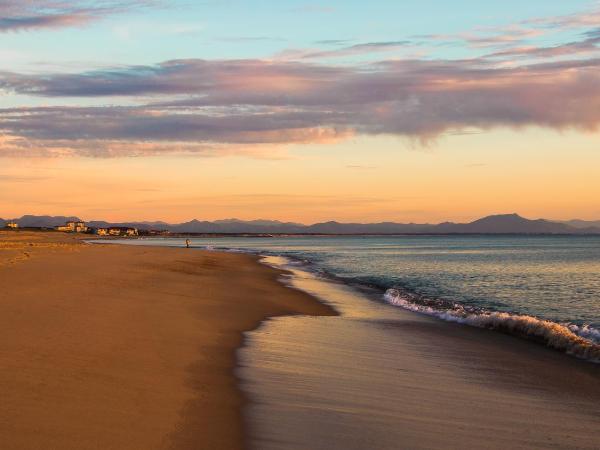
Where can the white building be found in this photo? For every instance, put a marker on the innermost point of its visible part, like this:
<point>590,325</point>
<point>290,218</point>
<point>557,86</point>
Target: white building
<point>73,227</point>
<point>122,231</point>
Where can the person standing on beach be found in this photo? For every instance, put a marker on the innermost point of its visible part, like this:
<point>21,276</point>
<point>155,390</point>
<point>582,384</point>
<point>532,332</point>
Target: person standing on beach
<point>187,243</point>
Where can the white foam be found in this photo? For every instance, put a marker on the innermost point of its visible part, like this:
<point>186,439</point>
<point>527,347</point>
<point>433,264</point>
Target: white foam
<point>586,331</point>
<point>579,341</point>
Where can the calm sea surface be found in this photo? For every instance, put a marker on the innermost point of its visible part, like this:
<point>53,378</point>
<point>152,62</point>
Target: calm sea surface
<point>550,277</point>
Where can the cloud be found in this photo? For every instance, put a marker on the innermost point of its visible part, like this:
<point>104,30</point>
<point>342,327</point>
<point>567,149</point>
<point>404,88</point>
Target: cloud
<point>333,42</point>
<point>103,148</point>
<point>256,107</point>
<point>501,37</point>
<point>23,15</point>
<point>215,107</point>
<point>585,19</point>
<point>193,76</point>
<point>486,37</point>
<point>521,34</point>
<point>585,46</point>
<point>357,49</point>
<point>49,21</point>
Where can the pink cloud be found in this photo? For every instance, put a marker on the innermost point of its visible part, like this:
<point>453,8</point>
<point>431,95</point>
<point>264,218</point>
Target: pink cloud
<point>23,15</point>
<point>203,107</point>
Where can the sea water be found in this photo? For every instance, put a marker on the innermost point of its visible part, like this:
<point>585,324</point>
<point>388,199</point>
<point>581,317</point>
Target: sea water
<point>518,284</point>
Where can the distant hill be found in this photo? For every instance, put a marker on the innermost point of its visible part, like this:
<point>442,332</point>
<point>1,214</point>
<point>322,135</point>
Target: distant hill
<point>140,225</point>
<point>508,223</point>
<point>582,223</point>
<point>238,226</point>
<point>496,224</point>
<point>44,221</point>
<point>261,223</point>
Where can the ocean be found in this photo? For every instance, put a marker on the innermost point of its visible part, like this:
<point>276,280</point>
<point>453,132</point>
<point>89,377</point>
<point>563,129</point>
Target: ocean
<point>543,287</point>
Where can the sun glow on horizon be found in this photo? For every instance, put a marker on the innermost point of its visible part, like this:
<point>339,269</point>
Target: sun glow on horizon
<point>461,178</point>
<point>173,111</point>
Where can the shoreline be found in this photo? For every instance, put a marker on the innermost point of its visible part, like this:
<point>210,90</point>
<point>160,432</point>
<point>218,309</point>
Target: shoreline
<point>114,345</point>
<point>397,376</point>
<point>195,379</point>
<point>567,339</point>
<point>579,341</point>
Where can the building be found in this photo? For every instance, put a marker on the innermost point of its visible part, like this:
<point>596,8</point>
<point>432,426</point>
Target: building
<point>73,227</point>
<point>117,231</point>
<point>131,232</point>
<point>78,227</point>
<point>12,224</point>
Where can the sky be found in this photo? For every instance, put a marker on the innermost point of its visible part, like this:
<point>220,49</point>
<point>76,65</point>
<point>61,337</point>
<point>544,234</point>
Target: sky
<point>300,111</point>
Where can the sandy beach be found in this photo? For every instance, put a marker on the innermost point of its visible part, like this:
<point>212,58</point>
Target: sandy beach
<point>134,347</point>
<point>118,347</point>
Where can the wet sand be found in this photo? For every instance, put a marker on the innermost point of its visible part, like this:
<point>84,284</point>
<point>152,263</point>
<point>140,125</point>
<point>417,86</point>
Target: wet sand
<point>380,377</point>
<point>123,347</point>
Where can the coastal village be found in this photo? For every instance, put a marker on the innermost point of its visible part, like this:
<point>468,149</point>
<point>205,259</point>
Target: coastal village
<point>81,227</point>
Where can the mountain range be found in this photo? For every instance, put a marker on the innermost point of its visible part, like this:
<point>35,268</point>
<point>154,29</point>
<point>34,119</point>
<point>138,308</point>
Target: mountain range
<point>583,223</point>
<point>496,224</point>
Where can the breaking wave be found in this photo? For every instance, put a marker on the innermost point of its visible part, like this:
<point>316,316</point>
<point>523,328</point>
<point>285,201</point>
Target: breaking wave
<point>580,341</point>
